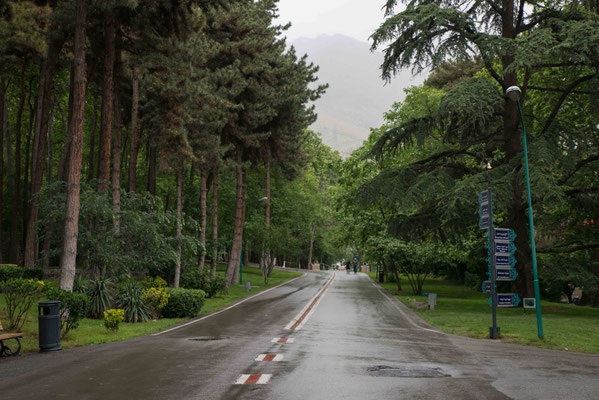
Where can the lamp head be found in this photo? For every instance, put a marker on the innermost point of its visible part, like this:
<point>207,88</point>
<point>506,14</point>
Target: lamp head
<point>513,92</point>
<point>263,199</point>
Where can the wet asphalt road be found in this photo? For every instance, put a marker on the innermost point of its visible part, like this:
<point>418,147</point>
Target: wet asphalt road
<point>354,342</point>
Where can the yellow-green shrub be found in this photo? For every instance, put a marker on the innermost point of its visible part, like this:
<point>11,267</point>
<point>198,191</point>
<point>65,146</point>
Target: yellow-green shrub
<point>156,299</point>
<point>112,318</point>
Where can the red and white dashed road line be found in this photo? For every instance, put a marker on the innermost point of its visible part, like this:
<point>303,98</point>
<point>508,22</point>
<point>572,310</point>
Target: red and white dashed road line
<point>269,357</point>
<point>300,320</point>
<point>253,379</point>
<point>282,340</point>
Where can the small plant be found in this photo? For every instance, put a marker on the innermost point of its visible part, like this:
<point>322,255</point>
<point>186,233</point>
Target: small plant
<point>131,299</point>
<point>113,318</point>
<point>73,308</point>
<point>100,296</point>
<point>20,295</point>
<point>156,299</point>
<point>80,285</point>
<point>156,282</point>
<point>183,303</point>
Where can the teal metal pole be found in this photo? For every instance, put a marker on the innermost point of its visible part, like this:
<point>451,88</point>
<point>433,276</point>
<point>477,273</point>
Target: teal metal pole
<point>532,231</point>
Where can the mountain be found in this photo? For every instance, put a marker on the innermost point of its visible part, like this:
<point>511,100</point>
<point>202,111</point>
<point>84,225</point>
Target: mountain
<point>357,97</point>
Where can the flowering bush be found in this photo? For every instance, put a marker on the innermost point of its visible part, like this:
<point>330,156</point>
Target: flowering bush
<point>20,295</point>
<point>157,282</point>
<point>156,299</point>
<point>112,319</point>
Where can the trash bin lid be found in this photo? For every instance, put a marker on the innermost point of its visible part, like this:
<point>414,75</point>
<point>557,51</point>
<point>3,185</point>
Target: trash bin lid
<point>48,303</point>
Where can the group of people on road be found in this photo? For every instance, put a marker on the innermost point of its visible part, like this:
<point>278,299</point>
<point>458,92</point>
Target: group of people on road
<point>348,266</point>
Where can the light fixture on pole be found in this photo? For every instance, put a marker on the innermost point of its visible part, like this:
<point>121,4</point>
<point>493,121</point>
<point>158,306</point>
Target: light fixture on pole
<point>514,93</point>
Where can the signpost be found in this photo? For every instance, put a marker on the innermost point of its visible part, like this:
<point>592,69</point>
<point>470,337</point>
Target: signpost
<point>501,260</point>
<point>507,300</point>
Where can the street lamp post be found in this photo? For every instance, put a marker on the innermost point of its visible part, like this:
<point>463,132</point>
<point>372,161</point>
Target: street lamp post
<point>514,93</point>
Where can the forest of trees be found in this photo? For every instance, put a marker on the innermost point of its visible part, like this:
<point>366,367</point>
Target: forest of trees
<point>138,136</point>
<point>411,190</point>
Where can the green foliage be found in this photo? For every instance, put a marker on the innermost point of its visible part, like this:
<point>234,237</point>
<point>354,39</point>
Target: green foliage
<point>20,295</point>
<point>130,298</point>
<point>11,271</point>
<point>73,308</point>
<point>146,239</point>
<point>156,299</point>
<point>100,292</point>
<point>8,271</point>
<point>193,278</point>
<point>183,303</point>
<point>156,282</point>
<point>113,318</point>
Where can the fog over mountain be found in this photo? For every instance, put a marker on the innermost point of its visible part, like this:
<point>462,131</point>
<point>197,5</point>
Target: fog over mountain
<point>357,97</point>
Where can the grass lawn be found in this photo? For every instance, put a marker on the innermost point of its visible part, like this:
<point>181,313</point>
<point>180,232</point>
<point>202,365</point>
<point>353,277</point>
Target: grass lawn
<point>92,331</point>
<point>466,312</point>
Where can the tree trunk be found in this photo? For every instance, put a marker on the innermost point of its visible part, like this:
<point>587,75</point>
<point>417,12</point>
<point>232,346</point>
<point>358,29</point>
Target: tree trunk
<point>14,234</point>
<point>310,251</point>
<point>152,170</point>
<point>235,254</point>
<point>50,224</point>
<point>513,148</point>
<point>39,146</point>
<point>265,255</point>
<point>214,221</point>
<point>26,183</point>
<point>117,134</point>
<point>134,123</point>
<point>69,250</point>
<point>92,142</point>
<point>2,101</point>
<point>179,216</point>
<point>107,100</point>
<point>204,214</point>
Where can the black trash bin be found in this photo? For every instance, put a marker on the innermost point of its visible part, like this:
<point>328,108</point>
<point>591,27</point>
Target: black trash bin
<point>49,325</point>
<point>381,275</point>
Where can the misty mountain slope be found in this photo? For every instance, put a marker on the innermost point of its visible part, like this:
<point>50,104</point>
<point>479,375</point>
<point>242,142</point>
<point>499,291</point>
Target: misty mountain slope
<point>357,97</point>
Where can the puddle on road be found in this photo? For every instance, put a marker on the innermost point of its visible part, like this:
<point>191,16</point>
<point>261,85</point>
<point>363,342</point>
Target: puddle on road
<point>407,372</point>
<point>208,338</point>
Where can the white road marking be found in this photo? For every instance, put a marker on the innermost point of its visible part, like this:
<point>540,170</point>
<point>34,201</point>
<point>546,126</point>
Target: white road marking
<point>224,309</point>
<point>256,379</point>
<point>269,357</point>
<point>282,340</point>
<point>300,319</point>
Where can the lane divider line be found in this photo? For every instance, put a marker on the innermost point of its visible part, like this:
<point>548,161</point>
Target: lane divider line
<point>269,357</point>
<point>253,379</point>
<point>300,320</point>
<point>393,301</point>
<point>193,321</point>
<point>282,340</point>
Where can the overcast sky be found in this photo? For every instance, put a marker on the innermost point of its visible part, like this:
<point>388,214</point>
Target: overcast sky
<point>310,18</point>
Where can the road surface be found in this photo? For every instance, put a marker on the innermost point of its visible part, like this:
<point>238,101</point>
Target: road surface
<point>325,335</point>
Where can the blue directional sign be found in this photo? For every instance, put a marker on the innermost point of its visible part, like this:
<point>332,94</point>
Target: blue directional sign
<point>504,261</point>
<point>483,197</point>
<point>486,287</point>
<point>507,300</point>
<point>483,210</point>
<point>505,274</point>
<point>483,222</point>
<point>504,234</point>
<point>504,247</point>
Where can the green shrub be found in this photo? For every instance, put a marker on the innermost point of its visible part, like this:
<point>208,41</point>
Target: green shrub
<point>195,279</point>
<point>130,298</point>
<point>9,271</point>
<point>113,318</point>
<point>156,299</point>
<point>20,295</point>
<point>36,274</point>
<point>156,282</point>
<point>73,308</point>
<point>183,303</point>
<point>100,296</point>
